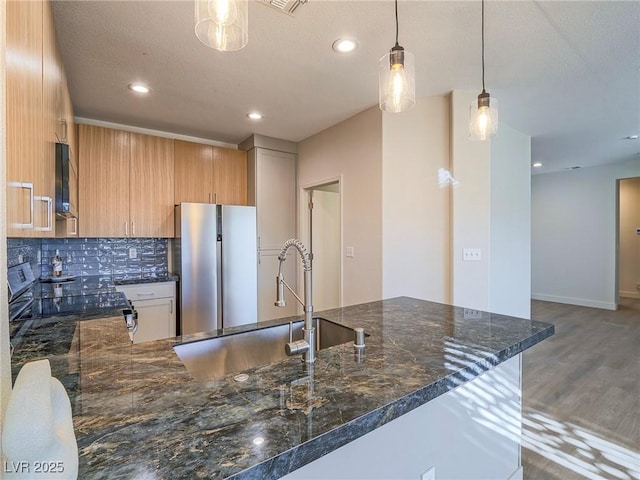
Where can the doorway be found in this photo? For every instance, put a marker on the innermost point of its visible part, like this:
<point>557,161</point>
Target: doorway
<point>323,235</point>
<point>628,277</point>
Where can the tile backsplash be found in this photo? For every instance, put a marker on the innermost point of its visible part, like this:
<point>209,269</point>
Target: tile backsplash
<point>122,258</point>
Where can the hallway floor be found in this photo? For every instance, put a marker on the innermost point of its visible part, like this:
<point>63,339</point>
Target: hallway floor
<point>581,394</point>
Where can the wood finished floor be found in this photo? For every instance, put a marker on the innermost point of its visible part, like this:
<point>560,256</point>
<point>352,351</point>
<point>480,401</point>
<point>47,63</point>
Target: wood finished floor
<point>581,394</point>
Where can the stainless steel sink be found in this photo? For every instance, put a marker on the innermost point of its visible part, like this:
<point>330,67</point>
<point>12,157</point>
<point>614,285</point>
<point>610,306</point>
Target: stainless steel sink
<point>216,357</point>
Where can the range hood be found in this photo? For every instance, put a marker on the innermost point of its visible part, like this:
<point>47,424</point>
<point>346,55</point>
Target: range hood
<point>64,208</point>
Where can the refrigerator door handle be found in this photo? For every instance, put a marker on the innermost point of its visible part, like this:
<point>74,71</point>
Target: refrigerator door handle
<point>219,282</point>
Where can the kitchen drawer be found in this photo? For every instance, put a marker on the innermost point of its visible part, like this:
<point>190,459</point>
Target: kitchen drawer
<point>148,291</point>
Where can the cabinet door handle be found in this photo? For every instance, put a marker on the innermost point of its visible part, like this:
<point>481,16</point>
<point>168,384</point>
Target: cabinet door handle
<point>171,306</point>
<point>215,198</point>
<point>210,198</point>
<point>64,135</point>
<point>75,227</point>
<point>26,186</point>
<point>145,294</point>
<point>126,229</point>
<point>133,229</point>
<point>49,203</point>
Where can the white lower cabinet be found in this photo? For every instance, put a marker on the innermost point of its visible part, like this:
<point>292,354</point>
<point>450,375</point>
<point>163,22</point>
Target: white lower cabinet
<point>155,304</point>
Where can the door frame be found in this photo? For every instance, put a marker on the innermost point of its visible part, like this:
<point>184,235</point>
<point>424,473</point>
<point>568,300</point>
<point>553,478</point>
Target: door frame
<point>303,222</point>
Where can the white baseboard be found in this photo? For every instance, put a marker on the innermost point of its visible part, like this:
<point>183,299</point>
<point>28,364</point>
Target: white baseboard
<point>630,294</point>
<point>582,302</point>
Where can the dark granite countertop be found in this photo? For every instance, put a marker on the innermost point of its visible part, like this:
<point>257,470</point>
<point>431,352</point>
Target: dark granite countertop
<point>83,298</point>
<point>138,413</point>
<point>134,281</point>
<point>91,295</point>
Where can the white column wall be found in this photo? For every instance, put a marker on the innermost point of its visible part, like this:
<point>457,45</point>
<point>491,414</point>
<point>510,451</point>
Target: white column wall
<point>510,232</point>
<point>352,151</point>
<point>574,234</point>
<point>416,202</point>
<point>470,207</point>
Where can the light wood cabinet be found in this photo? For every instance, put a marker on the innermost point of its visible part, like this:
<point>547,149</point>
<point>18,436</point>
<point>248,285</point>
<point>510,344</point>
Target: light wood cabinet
<point>103,182</point>
<point>193,172</point>
<point>53,84</point>
<point>126,184</point>
<point>24,107</point>
<point>208,174</point>
<point>151,197</point>
<point>35,107</point>
<point>230,176</point>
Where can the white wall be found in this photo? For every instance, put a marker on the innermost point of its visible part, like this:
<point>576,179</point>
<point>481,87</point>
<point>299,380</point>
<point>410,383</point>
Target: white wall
<point>629,238</point>
<point>396,187</point>
<point>352,151</point>
<point>471,207</point>
<point>491,210</point>
<point>415,201</point>
<point>510,231</point>
<point>573,233</point>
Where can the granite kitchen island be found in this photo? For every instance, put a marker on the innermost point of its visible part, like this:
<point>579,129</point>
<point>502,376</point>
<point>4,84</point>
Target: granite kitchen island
<point>138,413</point>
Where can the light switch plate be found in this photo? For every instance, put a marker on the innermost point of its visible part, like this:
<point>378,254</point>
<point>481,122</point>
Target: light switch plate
<point>133,252</point>
<point>349,252</point>
<point>471,314</point>
<point>471,254</point>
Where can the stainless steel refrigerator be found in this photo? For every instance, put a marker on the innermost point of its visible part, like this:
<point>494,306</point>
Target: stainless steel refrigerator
<point>215,255</point>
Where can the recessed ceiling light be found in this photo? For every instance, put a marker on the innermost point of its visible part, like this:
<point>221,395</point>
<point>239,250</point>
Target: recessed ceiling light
<point>345,45</point>
<point>139,88</point>
<point>537,165</point>
<point>631,137</point>
<point>254,115</point>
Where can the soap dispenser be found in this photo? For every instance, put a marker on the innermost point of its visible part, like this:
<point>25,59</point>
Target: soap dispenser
<point>56,264</point>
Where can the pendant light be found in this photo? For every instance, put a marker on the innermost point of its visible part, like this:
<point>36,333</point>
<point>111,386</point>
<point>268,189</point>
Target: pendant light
<point>397,89</point>
<point>483,113</point>
<point>222,24</point>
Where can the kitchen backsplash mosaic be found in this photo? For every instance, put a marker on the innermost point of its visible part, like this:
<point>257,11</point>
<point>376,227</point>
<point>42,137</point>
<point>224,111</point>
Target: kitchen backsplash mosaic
<point>122,258</point>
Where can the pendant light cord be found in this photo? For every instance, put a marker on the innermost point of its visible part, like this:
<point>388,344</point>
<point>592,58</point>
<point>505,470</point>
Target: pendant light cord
<point>397,22</point>
<point>483,90</point>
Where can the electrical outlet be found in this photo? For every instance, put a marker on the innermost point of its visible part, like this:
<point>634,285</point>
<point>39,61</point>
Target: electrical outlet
<point>430,474</point>
<point>133,252</point>
<point>471,254</point>
<point>349,252</point>
<point>21,259</point>
<point>470,314</point>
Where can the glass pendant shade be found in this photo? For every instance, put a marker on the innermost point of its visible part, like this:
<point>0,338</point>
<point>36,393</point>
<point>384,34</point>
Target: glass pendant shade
<point>483,117</point>
<point>397,87</point>
<point>222,24</point>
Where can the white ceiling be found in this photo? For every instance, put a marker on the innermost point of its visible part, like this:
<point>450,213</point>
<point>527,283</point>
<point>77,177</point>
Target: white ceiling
<point>566,73</point>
